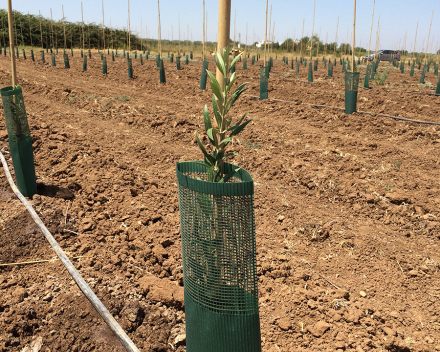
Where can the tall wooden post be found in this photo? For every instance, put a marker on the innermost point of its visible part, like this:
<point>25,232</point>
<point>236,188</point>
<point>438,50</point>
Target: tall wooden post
<point>129,32</point>
<point>11,44</point>
<point>159,29</point>
<point>313,28</point>
<point>371,30</point>
<point>64,27</point>
<point>224,29</point>
<point>82,22</point>
<point>265,37</point>
<point>41,31</point>
<point>429,34</point>
<point>302,36</point>
<point>103,27</point>
<point>354,37</point>
<point>203,44</point>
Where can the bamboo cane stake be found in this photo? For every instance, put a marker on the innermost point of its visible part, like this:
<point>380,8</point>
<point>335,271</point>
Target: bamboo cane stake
<point>354,37</point>
<point>142,39</point>
<point>103,27</point>
<point>371,30</point>
<point>64,26</point>
<point>30,31</point>
<point>245,48</point>
<point>82,22</point>
<point>326,40</point>
<point>270,23</point>
<point>11,44</point>
<point>41,31</point>
<point>235,22</point>
<point>319,39</point>
<point>377,37</point>
<point>160,34</point>
<point>203,44</point>
<point>179,34</point>
<point>302,36</point>
<point>336,38</point>
<point>313,28</point>
<point>51,30</point>
<point>429,34</point>
<point>273,36</point>
<point>129,29</point>
<point>206,30</point>
<point>265,36</point>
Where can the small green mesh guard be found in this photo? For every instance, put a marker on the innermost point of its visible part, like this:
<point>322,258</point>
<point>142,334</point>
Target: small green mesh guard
<point>162,78</point>
<point>351,91</point>
<point>130,68</point>
<point>20,141</point>
<point>219,261</point>
<point>263,83</point>
<point>367,77</point>
<point>437,91</point>
<point>104,65</point>
<point>178,63</point>
<point>66,61</point>
<point>204,75</point>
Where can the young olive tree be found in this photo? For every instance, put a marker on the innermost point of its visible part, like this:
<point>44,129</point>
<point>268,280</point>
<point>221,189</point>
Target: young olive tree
<point>221,135</point>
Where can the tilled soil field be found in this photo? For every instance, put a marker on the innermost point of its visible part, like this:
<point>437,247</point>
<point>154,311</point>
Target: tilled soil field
<point>346,207</point>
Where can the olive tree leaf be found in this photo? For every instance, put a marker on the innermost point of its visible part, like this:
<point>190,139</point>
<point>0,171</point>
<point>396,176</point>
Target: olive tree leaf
<point>238,123</point>
<point>208,157</point>
<point>239,129</point>
<point>207,119</point>
<point>215,86</point>
<point>229,175</point>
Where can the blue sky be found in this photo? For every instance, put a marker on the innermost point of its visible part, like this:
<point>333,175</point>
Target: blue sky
<point>396,18</point>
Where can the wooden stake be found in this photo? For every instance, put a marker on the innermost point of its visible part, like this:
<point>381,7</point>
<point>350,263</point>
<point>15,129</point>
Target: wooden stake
<point>265,37</point>
<point>160,35</point>
<point>270,22</point>
<point>224,25</point>
<point>179,34</point>
<point>11,44</point>
<point>313,28</point>
<point>377,37</point>
<point>64,26</point>
<point>235,22</point>
<point>203,44</point>
<point>103,27</point>
<point>129,32</point>
<point>142,39</point>
<point>246,35</point>
<point>429,34</point>
<point>30,32</point>
<point>336,38</point>
<point>302,36</point>
<point>41,31</point>
<point>371,30</point>
<point>82,21</point>
<point>51,24</point>
<point>354,37</point>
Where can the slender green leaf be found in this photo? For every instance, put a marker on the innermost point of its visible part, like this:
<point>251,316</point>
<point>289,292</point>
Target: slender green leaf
<point>229,175</point>
<point>211,132</point>
<point>225,141</point>
<point>215,86</point>
<point>219,62</point>
<point>202,147</point>
<point>206,119</point>
<point>239,129</point>
<point>234,61</point>
<point>228,155</point>
<point>218,116</point>
<point>231,82</point>
<point>238,123</point>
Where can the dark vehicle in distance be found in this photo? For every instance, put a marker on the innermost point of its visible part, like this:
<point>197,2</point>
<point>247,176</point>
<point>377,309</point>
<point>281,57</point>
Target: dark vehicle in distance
<point>384,55</point>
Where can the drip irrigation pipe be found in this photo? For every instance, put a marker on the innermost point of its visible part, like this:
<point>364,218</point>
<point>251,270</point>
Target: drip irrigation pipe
<point>360,112</point>
<point>90,295</point>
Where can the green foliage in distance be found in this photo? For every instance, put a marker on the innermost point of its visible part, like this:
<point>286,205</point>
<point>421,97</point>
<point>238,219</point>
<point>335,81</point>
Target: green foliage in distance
<point>381,78</point>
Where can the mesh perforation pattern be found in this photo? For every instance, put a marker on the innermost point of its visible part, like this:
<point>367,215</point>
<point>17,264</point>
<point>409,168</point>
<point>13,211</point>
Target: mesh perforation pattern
<point>218,240</point>
<point>15,113</point>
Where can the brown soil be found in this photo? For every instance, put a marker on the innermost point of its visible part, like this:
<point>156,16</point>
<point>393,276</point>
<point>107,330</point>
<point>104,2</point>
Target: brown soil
<point>341,200</point>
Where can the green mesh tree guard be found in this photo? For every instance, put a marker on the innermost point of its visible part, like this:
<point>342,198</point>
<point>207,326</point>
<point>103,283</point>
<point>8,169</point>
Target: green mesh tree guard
<point>244,64</point>
<point>135,55</point>
<point>186,60</point>
<point>420,65</point>
<point>204,75</point>
<point>178,63</point>
<point>305,62</point>
<point>351,91</point>
<point>24,54</point>
<point>90,54</point>
<point>301,59</point>
<point>142,62</point>
<point>42,57</point>
<point>367,77</point>
<point>85,63</point>
<point>158,61</point>
<point>82,54</point>
<point>402,67</point>
<point>124,52</point>
<point>334,63</point>
<point>172,58</point>
<point>16,52</point>
<point>162,78</point>
<point>310,73</point>
<point>263,82</point>
<point>113,56</point>
<point>315,66</point>
<point>325,64</point>
<point>219,261</point>
<point>53,60</point>
<point>343,66</point>
<point>20,141</point>
<point>102,56</point>
<point>32,55</point>
<point>437,91</point>
<point>71,52</point>
<point>435,70</point>
<point>253,60</point>
<point>330,69</point>
<point>291,64</point>
<point>108,51</point>
<point>130,68</point>
<point>297,66</point>
<point>66,61</point>
<point>104,66</point>
<point>147,55</point>
<point>191,55</point>
<point>422,77</point>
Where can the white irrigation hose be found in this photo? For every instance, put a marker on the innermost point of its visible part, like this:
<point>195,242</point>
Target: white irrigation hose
<point>94,300</point>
